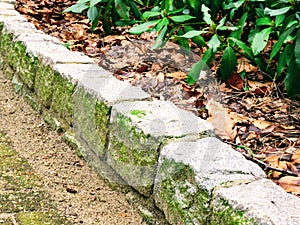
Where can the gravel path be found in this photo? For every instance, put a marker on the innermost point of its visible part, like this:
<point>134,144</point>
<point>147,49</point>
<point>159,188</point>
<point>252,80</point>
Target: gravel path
<point>77,190</point>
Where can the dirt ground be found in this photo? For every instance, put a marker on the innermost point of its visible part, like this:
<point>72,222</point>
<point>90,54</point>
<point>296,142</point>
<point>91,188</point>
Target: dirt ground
<point>77,190</point>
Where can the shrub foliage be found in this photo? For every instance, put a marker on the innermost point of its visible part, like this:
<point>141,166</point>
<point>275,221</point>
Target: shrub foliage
<point>266,32</point>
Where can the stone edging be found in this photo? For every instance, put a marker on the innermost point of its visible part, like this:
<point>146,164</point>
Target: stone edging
<point>163,152</point>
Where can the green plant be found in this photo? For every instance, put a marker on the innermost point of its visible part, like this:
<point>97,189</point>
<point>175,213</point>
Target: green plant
<point>115,12</point>
<point>266,32</point>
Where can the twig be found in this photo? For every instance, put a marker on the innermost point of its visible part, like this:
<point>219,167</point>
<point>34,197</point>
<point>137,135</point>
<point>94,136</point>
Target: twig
<point>265,167</point>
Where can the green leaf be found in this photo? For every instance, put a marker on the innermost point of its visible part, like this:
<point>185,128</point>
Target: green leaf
<point>194,4</point>
<point>194,73</point>
<point>214,43</point>
<point>229,63</point>
<point>263,21</point>
<point>149,14</point>
<point>95,2</point>
<point>143,27</point>
<point>276,12</point>
<point>244,48</point>
<point>159,41</point>
<point>77,8</point>
<point>284,59</point>
<point>297,50</point>
<point>292,80</point>
<point>182,18</point>
<point>183,42</point>
<point>92,13</point>
<point>279,19</point>
<point>196,39</point>
<point>277,46</point>
<point>136,11</point>
<point>163,22</point>
<point>192,34</point>
<point>122,9</point>
<point>206,15</point>
<point>241,24</point>
<point>260,40</point>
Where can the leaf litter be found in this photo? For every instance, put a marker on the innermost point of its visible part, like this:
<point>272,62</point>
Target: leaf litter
<point>258,120</point>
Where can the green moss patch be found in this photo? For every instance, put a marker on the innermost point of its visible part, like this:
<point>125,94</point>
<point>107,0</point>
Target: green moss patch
<point>14,54</point>
<point>62,103</point>
<point>90,118</point>
<point>183,202</point>
<point>39,218</point>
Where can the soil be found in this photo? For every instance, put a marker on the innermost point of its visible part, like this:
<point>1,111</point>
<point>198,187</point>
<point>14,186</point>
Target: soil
<point>77,191</point>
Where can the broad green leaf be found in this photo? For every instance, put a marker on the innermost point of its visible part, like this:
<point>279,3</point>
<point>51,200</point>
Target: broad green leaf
<point>276,12</point>
<point>143,27</point>
<point>241,24</point>
<point>206,15</point>
<point>277,46</point>
<point>135,10</point>
<point>163,22</point>
<point>77,8</point>
<point>214,43</point>
<point>181,18</point>
<point>279,19</point>
<point>244,48</point>
<point>194,73</point>
<point>176,11</point>
<point>292,80</point>
<point>149,14</point>
<point>183,42</point>
<point>229,63</point>
<point>263,21</point>
<point>122,9</point>
<point>284,59</point>
<point>192,34</point>
<point>197,39</point>
<point>297,50</point>
<point>222,22</point>
<point>194,4</point>
<point>139,2</point>
<point>95,2</point>
<point>92,13</point>
<point>233,5</point>
<point>159,41</point>
<point>260,40</point>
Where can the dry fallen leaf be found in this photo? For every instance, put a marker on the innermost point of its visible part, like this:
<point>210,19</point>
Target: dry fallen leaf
<point>261,124</point>
<point>223,124</point>
<point>290,184</point>
<point>177,75</point>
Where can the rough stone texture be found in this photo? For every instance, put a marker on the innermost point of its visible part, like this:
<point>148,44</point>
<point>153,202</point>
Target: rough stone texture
<point>138,130</point>
<point>82,71</point>
<point>261,200</point>
<point>188,172</point>
<point>93,100</point>
<point>4,5</point>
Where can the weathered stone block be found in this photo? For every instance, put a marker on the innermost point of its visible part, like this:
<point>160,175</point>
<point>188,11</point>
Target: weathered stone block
<point>188,172</point>
<point>261,201</point>
<point>93,100</point>
<point>139,129</point>
<point>16,56</point>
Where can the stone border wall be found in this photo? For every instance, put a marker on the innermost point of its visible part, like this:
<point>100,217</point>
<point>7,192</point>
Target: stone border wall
<point>164,153</point>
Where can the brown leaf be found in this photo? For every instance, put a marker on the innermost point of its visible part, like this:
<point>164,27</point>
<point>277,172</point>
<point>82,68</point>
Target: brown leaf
<point>177,75</point>
<point>261,124</point>
<point>223,124</point>
<point>290,184</point>
<point>235,81</point>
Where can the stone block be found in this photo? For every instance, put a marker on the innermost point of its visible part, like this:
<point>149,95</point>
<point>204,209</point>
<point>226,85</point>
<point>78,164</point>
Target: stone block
<point>258,202</point>
<point>137,132</point>
<point>93,99</point>
<point>188,172</point>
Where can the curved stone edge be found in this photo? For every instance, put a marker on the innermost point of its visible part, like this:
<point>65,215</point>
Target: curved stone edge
<point>197,179</point>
